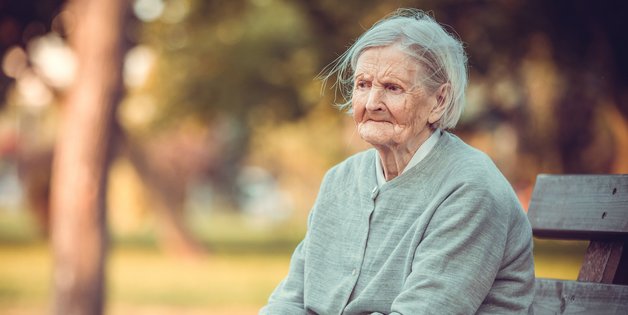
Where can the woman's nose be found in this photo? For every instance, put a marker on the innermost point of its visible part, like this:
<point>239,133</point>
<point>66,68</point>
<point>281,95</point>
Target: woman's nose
<point>375,100</point>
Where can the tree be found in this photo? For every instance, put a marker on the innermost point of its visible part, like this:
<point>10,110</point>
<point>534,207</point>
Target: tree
<point>81,158</point>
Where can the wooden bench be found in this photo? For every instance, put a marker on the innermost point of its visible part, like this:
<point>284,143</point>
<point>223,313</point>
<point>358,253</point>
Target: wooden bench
<point>584,207</point>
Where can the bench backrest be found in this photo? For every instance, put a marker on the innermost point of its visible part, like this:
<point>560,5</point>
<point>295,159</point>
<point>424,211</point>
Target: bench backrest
<point>584,207</point>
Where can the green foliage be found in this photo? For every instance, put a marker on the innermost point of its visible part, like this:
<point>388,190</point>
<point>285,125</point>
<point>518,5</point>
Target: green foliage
<point>17,227</point>
<point>232,59</point>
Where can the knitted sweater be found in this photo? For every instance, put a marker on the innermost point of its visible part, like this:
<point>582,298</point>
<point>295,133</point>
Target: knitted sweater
<point>446,237</point>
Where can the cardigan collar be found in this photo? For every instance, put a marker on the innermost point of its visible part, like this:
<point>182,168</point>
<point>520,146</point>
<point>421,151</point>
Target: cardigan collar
<point>418,156</point>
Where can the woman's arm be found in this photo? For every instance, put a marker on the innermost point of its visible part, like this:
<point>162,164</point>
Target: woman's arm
<point>287,299</point>
<point>288,296</point>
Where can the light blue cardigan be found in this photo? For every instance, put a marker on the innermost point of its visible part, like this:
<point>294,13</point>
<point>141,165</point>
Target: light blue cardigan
<point>446,237</point>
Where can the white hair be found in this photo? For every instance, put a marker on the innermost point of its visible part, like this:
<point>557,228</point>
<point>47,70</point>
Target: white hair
<point>440,54</point>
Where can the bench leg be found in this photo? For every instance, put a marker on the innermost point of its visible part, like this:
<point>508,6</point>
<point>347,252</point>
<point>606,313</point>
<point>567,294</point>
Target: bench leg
<point>605,262</point>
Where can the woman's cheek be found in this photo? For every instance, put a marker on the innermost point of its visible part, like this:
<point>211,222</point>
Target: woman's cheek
<point>358,109</point>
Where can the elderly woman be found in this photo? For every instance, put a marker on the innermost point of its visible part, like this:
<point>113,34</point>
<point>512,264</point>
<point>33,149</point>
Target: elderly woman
<point>422,224</point>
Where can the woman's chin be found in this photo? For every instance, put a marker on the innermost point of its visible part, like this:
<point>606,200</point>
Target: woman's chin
<point>374,136</point>
<point>375,139</point>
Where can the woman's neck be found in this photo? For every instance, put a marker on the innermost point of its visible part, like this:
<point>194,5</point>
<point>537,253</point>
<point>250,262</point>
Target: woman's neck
<point>395,158</point>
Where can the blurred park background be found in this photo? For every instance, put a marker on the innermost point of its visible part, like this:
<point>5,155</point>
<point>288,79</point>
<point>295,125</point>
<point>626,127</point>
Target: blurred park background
<point>222,133</point>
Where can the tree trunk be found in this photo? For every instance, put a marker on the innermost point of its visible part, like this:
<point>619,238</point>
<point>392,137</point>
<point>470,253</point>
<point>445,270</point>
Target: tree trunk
<point>79,172</point>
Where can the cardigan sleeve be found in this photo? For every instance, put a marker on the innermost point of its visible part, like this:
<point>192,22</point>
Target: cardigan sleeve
<point>287,299</point>
<point>464,247</point>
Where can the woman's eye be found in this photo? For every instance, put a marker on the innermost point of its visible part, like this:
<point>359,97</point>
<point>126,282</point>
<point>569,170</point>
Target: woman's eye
<point>393,88</point>
<point>361,84</point>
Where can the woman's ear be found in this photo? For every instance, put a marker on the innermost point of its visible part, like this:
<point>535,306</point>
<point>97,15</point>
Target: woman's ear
<point>439,106</point>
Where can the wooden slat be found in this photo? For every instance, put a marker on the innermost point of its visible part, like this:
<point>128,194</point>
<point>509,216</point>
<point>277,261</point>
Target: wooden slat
<point>572,297</point>
<point>580,206</point>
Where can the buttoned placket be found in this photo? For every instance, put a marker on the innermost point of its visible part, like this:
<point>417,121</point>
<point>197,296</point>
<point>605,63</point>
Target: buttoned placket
<point>365,235</point>
<point>364,232</point>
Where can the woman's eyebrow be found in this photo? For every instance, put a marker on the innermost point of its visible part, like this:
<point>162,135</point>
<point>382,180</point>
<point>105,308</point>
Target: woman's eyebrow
<point>396,79</point>
<point>360,75</point>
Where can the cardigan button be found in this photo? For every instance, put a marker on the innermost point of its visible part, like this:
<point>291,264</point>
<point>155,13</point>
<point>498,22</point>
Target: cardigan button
<point>374,192</point>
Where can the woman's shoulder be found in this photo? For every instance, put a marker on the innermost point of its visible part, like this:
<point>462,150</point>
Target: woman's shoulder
<point>474,172</point>
<point>468,165</point>
<point>456,148</point>
<point>462,156</point>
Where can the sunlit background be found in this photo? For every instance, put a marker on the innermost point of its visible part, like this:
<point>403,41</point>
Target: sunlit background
<point>226,132</point>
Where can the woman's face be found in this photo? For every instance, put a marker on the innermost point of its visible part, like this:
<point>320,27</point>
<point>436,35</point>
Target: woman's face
<point>391,108</point>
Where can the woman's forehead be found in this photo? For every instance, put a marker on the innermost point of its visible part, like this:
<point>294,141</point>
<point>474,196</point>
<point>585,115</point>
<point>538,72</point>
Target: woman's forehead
<point>389,60</point>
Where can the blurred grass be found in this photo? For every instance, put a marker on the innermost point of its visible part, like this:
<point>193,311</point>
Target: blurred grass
<point>246,261</point>
<point>148,279</point>
<point>24,275</point>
